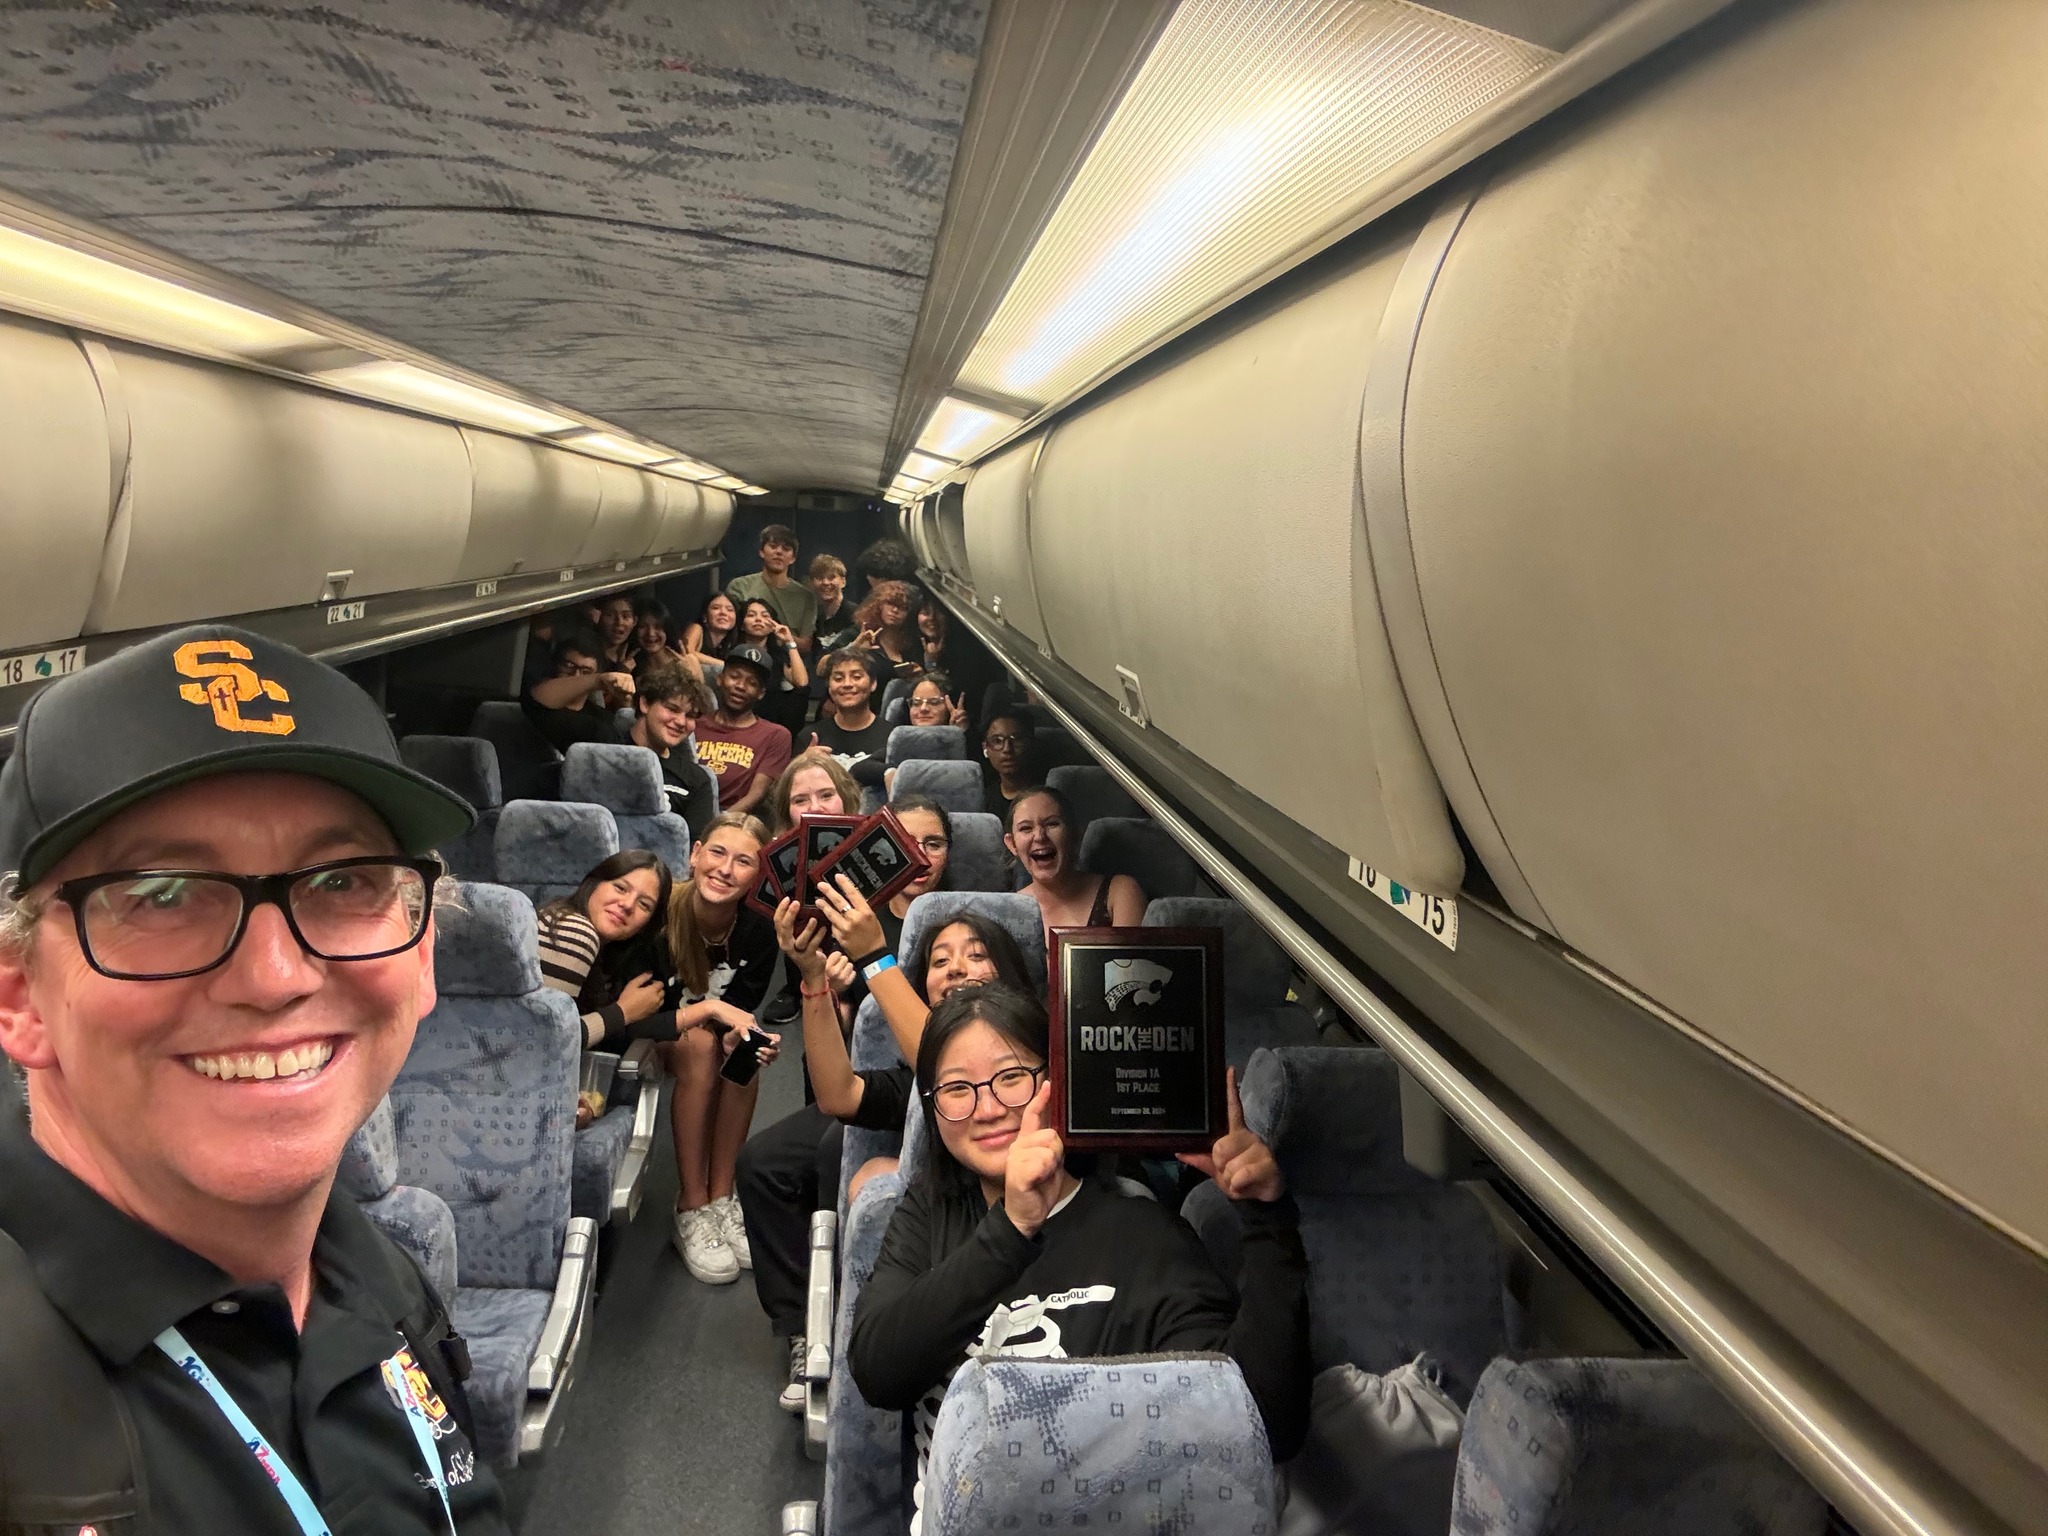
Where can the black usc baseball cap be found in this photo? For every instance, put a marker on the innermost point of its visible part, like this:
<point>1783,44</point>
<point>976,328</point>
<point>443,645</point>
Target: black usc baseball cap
<point>203,700</point>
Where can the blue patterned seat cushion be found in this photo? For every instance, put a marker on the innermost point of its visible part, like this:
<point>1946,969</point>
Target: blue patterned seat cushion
<point>502,1329</point>
<point>1124,845</point>
<point>1093,793</point>
<point>979,862</point>
<point>419,1221</point>
<point>369,1163</point>
<point>486,1116</point>
<point>527,765</point>
<point>1154,1443</point>
<point>1255,969</point>
<point>1332,1115</point>
<point>931,743</point>
<point>666,836</point>
<point>466,764</point>
<point>545,847</point>
<point>873,1048</point>
<point>1013,910</point>
<point>486,946</point>
<point>955,785</point>
<point>623,779</point>
<point>864,1493</point>
<point>600,1150</point>
<point>1558,1447</point>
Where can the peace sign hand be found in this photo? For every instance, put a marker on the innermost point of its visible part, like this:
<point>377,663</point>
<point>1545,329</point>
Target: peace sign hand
<point>1241,1164</point>
<point>958,709</point>
<point>1031,1179</point>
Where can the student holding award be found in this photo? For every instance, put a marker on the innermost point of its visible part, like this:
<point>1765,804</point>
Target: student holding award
<point>998,1236</point>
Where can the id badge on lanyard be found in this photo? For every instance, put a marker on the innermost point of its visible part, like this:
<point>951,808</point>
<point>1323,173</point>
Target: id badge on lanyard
<point>396,1379</point>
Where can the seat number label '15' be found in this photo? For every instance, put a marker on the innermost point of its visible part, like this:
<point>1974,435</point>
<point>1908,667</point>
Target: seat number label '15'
<point>1436,916</point>
<point>40,666</point>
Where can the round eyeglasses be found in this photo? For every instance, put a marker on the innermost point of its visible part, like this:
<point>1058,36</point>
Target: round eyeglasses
<point>163,924</point>
<point>1013,1088</point>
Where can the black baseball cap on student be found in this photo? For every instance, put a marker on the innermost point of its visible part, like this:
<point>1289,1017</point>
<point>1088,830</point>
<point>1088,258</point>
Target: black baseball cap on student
<point>754,657</point>
<point>200,701</point>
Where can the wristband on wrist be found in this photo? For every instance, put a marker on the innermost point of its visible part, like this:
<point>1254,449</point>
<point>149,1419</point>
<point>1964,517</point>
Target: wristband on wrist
<point>884,962</point>
<point>824,991</point>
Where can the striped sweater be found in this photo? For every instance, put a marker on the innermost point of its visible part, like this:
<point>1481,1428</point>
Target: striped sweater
<point>568,949</point>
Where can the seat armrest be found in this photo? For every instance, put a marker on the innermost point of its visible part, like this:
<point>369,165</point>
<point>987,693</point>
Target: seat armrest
<point>641,1063</point>
<point>632,1174</point>
<point>562,1331</point>
<point>820,1315</point>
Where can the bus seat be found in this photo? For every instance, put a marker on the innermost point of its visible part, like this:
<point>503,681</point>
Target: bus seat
<point>1256,1012</point>
<point>1055,747</point>
<point>1012,910</point>
<point>468,766</point>
<point>872,1049</point>
<point>978,861</point>
<point>416,1219</point>
<point>898,689</point>
<point>1123,845</point>
<point>955,785</point>
<point>484,1115</point>
<point>528,767</point>
<point>1154,1442</point>
<point>871,799</point>
<point>897,710</point>
<point>1399,1264</point>
<point>544,848</point>
<point>940,743</point>
<point>1552,1446</point>
<point>864,1444</point>
<point>1093,793</point>
<point>627,781</point>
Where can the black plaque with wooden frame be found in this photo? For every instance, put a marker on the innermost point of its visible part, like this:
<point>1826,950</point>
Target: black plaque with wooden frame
<point>781,868</point>
<point>823,835</point>
<point>1137,1038</point>
<point>880,858</point>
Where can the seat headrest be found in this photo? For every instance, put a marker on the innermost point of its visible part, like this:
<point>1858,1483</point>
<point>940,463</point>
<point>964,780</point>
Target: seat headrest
<point>1554,1446</point>
<point>873,1048</point>
<point>930,743</point>
<point>503,723</point>
<point>1013,911</point>
<point>955,785</point>
<point>1094,1440</point>
<point>1332,1115</point>
<point>1255,969</point>
<point>1123,845</point>
<point>488,946</point>
<point>625,780</point>
<point>978,861</point>
<point>552,842</point>
<point>465,764</point>
<point>369,1163</point>
<point>897,711</point>
<point>1092,792</point>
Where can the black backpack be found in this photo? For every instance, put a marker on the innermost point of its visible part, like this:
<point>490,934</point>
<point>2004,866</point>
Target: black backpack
<point>69,1459</point>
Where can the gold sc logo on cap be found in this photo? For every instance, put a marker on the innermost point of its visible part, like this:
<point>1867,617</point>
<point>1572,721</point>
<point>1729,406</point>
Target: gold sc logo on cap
<point>232,685</point>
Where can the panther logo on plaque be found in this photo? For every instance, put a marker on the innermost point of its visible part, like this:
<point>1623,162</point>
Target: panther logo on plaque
<point>1137,1037</point>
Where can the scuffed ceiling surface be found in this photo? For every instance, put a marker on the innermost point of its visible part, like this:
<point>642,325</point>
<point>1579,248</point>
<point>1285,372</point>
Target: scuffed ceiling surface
<point>707,220</point>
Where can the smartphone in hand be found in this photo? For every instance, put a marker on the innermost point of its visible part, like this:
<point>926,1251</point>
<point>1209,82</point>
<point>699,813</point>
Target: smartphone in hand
<point>745,1059</point>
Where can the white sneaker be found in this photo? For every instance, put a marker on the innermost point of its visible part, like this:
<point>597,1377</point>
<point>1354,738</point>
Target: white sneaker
<point>732,1226</point>
<point>702,1245</point>
<point>798,1391</point>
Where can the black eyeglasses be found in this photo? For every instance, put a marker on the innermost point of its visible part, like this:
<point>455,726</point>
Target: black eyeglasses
<point>1013,1088</point>
<point>163,924</point>
<point>1002,741</point>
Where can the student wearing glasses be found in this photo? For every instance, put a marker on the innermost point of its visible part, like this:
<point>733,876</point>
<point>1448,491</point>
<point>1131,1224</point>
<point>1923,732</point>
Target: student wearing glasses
<point>576,703</point>
<point>215,945</point>
<point>1009,760</point>
<point>1000,1248</point>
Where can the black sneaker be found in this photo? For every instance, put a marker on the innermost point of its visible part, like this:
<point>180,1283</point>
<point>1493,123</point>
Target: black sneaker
<point>799,1388</point>
<point>783,1009</point>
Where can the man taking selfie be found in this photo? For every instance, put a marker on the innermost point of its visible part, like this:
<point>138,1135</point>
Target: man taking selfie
<point>215,944</point>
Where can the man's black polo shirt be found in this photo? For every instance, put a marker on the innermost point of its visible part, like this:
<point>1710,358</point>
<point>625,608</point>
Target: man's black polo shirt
<point>317,1396</point>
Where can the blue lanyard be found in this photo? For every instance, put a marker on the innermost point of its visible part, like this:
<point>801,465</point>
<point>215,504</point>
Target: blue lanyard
<point>303,1509</point>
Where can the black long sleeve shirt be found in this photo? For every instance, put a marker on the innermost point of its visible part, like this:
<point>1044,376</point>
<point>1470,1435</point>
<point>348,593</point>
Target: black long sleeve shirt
<point>1107,1274</point>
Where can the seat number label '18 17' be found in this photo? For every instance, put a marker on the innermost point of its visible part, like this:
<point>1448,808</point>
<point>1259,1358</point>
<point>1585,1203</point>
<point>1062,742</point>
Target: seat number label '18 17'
<point>40,666</point>
<point>1436,916</point>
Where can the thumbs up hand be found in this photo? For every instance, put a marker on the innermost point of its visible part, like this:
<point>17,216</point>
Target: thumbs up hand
<point>1241,1164</point>
<point>1031,1180</point>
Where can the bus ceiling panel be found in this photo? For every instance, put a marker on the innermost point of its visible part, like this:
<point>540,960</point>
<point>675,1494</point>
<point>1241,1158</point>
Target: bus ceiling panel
<point>998,509</point>
<point>245,494</point>
<point>707,222</point>
<point>1892,1342</point>
<point>1200,530</point>
<point>532,508</point>
<point>1724,478</point>
<point>56,483</point>
<point>631,508</point>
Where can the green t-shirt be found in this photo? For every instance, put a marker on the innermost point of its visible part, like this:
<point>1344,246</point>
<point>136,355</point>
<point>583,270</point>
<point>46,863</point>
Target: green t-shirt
<point>795,605</point>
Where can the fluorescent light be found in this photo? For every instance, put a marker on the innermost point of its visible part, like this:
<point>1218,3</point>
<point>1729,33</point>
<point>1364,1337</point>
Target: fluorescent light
<point>905,483</point>
<point>609,445</point>
<point>728,483</point>
<point>753,490</point>
<point>403,384</point>
<point>55,282</point>
<point>958,431</point>
<point>1248,132</point>
<point>687,469</point>
<point>922,466</point>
